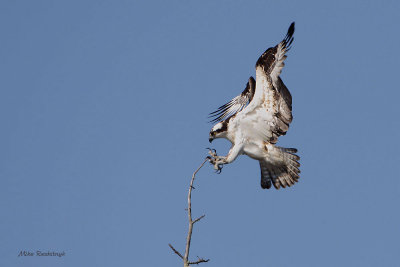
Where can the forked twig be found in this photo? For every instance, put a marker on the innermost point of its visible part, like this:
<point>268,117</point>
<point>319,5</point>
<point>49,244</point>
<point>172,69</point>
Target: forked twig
<point>185,258</point>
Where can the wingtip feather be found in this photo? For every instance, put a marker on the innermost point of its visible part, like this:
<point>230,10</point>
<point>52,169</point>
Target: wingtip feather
<point>291,29</point>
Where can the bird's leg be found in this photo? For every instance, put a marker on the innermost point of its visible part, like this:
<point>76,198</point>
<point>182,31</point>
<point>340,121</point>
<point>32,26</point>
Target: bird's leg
<point>216,160</point>
<point>219,163</point>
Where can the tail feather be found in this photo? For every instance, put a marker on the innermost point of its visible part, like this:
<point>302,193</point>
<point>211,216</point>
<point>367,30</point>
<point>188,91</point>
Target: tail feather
<point>266,181</point>
<point>280,169</point>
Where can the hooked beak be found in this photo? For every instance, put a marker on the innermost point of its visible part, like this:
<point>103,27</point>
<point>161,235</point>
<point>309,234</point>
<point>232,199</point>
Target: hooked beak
<point>210,139</point>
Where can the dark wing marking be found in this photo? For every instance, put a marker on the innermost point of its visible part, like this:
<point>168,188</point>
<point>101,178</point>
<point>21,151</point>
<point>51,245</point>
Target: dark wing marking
<point>236,104</point>
<point>272,59</point>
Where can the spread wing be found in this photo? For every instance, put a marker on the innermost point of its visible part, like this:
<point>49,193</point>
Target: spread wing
<point>236,104</point>
<point>269,113</point>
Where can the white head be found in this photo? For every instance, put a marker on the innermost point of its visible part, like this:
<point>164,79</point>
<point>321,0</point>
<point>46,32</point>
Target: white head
<point>218,131</point>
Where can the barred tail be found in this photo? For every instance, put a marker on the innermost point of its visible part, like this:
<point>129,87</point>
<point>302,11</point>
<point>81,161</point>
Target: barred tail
<point>280,169</point>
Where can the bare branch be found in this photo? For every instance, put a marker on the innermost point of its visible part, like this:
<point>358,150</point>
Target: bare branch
<point>189,235</point>
<point>198,219</point>
<point>200,260</point>
<point>177,252</point>
<point>186,262</point>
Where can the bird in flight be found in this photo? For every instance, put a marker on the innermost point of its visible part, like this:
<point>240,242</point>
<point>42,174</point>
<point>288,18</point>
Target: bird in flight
<point>253,121</point>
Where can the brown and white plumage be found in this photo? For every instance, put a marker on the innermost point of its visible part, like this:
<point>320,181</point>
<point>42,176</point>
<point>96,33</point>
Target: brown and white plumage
<point>254,129</point>
<point>236,104</point>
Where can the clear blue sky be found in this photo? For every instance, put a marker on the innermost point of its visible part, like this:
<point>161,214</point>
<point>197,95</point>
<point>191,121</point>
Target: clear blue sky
<point>104,118</point>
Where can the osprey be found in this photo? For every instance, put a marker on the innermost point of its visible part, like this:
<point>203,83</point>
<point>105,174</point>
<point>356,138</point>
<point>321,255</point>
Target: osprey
<point>253,121</point>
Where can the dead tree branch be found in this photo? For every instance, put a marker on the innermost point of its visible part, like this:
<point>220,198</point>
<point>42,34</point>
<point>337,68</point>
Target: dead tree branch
<point>185,258</point>
<point>177,252</point>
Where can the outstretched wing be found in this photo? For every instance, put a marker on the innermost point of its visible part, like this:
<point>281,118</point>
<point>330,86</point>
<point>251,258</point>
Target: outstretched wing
<point>272,60</point>
<point>269,114</point>
<point>236,104</point>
